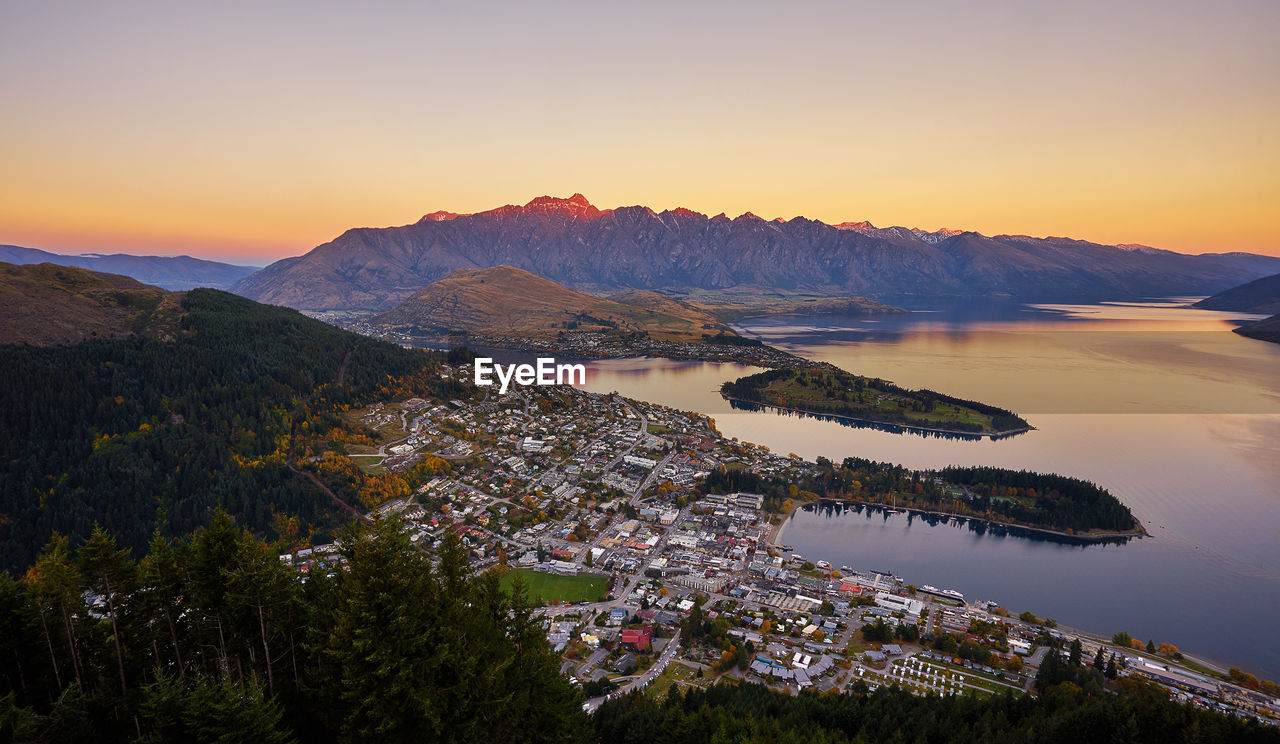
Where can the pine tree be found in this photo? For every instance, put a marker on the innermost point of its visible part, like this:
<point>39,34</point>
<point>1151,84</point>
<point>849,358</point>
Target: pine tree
<point>161,579</point>
<point>202,709</point>
<point>54,582</point>
<point>111,574</point>
<point>378,645</point>
<point>261,594</point>
<point>213,549</point>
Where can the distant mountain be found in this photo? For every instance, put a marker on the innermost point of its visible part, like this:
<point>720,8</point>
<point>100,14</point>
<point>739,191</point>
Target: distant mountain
<point>174,273</point>
<point>1263,330</point>
<point>505,301</point>
<point>572,242</point>
<point>1258,296</point>
<point>48,305</point>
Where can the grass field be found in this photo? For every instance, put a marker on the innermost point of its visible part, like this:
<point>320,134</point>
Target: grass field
<point>544,588</point>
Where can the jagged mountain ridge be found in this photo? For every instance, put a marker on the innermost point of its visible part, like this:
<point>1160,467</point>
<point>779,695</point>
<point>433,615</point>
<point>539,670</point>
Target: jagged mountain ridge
<point>572,242</point>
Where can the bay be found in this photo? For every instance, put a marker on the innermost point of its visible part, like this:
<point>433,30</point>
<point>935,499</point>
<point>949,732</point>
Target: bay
<point>1155,401</point>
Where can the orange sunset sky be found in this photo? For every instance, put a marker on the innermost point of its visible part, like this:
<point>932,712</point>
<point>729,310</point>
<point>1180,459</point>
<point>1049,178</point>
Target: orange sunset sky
<point>253,131</point>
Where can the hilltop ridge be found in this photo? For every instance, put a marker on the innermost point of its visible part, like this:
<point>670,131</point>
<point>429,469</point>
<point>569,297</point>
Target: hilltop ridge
<point>50,305</point>
<point>506,301</point>
<point>680,251</point>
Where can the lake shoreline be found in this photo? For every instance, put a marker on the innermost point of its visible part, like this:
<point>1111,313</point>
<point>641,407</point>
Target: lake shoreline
<point>1091,537</point>
<point>910,427</point>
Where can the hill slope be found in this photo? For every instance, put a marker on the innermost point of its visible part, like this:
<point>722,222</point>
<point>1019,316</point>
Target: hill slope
<point>1267,329</point>
<point>506,301</point>
<point>1258,296</point>
<point>174,273</point>
<point>572,242</point>
<point>138,434</point>
<point>45,305</point>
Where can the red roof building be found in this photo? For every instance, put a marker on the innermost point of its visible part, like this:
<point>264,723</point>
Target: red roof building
<point>638,637</point>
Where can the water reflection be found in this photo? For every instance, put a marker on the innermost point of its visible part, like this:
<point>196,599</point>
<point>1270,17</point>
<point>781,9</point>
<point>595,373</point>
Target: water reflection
<point>1160,404</point>
<point>855,423</point>
<point>979,527</point>
<point>1115,358</point>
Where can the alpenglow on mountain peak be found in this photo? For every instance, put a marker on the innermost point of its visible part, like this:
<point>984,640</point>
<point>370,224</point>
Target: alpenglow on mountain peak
<point>578,245</point>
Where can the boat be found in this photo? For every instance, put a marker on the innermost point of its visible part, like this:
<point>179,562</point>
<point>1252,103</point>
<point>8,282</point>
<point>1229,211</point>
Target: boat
<point>942,593</point>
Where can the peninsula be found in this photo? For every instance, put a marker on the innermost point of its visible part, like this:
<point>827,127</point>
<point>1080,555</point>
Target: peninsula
<point>833,392</point>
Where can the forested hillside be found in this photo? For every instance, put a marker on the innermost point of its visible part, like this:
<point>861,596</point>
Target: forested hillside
<point>139,433</point>
<point>1065,713</point>
<point>212,638</point>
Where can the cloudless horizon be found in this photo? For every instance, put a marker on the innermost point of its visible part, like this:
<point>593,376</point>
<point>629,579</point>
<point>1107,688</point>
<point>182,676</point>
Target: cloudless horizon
<point>249,133</point>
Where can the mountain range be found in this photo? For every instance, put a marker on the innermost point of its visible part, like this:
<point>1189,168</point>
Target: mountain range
<point>679,251</point>
<point>175,273</point>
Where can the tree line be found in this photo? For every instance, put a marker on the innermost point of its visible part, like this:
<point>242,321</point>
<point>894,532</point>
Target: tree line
<point>1045,500</point>
<point>1064,713</point>
<point>213,638</point>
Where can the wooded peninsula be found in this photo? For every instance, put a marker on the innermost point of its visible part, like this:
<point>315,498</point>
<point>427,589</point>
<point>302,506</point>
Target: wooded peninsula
<point>832,392</point>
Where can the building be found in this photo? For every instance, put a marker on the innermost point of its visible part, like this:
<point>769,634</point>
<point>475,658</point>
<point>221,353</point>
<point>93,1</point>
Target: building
<point>637,637</point>
<point>639,462</point>
<point>905,605</point>
<point>701,583</point>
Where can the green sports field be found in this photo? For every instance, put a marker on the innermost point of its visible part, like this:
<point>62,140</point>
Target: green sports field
<point>544,587</point>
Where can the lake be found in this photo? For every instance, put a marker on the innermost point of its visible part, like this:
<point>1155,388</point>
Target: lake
<point>1157,402</point>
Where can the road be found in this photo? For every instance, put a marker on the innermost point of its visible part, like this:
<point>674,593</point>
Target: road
<point>639,683</point>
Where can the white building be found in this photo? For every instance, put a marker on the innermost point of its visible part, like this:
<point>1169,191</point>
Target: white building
<point>905,605</point>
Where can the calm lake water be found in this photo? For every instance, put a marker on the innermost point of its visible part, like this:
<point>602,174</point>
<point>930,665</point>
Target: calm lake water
<point>1159,403</point>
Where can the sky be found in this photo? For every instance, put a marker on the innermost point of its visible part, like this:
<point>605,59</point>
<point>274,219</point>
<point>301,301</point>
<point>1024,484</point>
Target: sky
<point>253,131</point>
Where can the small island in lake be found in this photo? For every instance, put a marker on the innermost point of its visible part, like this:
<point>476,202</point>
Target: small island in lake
<point>833,392</point>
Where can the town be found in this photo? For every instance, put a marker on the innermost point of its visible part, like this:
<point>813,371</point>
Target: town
<point>646,578</point>
<point>581,344</point>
